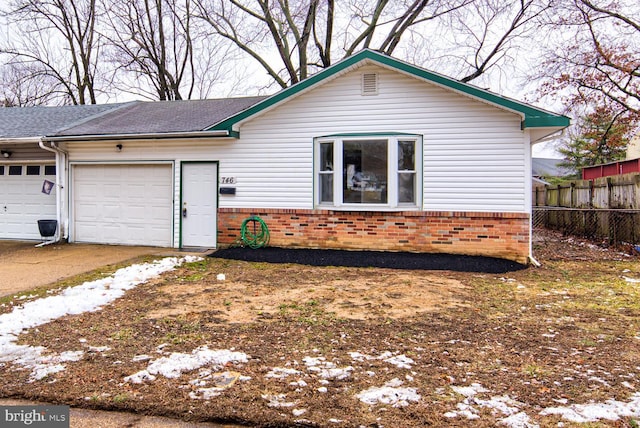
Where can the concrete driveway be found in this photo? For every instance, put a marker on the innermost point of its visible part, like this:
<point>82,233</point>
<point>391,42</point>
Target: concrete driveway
<point>24,267</point>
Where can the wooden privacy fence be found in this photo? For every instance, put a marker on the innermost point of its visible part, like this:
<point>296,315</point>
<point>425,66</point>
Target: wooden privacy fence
<point>616,192</point>
<point>602,208</point>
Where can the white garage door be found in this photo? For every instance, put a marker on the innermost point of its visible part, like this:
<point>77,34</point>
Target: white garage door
<point>22,202</point>
<point>123,204</point>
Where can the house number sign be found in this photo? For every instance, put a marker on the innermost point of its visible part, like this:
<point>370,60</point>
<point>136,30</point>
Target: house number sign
<point>228,180</point>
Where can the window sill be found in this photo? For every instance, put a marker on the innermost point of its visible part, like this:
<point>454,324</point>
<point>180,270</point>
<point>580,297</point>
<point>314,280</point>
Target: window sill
<point>367,208</point>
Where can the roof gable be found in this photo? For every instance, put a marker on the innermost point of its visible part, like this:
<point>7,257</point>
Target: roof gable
<point>532,117</point>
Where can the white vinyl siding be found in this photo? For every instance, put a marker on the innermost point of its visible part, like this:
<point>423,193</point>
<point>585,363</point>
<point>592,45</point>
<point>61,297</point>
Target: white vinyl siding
<point>474,154</point>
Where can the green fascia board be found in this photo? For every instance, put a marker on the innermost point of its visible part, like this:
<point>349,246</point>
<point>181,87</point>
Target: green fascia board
<point>533,117</point>
<point>545,121</point>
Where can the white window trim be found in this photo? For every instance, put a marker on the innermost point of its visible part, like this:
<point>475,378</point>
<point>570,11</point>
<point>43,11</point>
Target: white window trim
<point>392,171</point>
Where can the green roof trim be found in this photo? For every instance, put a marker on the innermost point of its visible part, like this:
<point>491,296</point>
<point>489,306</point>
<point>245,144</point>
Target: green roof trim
<point>533,117</point>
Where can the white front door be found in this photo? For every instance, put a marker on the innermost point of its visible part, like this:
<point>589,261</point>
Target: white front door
<point>199,204</point>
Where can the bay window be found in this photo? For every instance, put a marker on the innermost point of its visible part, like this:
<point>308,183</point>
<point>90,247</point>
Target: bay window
<point>368,172</point>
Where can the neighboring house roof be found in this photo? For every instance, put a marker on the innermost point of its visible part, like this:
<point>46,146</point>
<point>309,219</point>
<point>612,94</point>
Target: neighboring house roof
<point>160,117</point>
<point>31,122</point>
<point>547,167</point>
<point>532,117</point>
<point>539,182</point>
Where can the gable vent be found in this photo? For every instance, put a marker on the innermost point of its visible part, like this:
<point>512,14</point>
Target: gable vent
<point>370,84</point>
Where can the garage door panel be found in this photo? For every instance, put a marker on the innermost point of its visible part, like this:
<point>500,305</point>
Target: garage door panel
<point>123,204</point>
<point>22,204</point>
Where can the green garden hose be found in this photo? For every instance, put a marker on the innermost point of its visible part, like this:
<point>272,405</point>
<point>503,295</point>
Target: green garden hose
<point>254,232</point>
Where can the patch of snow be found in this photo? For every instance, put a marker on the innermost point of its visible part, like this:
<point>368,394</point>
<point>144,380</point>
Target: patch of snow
<point>142,357</point>
<point>281,373</point>
<point>87,297</point>
<point>221,277</point>
<point>278,400</point>
<point>177,363</point>
<point>99,348</point>
<point>390,393</point>
<point>298,412</point>
<point>518,420</point>
<point>469,391</point>
<point>611,410</point>
<point>502,404</point>
<point>205,393</point>
<point>326,369</point>
<point>400,361</point>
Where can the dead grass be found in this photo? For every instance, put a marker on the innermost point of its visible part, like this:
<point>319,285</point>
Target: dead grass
<point>565,331</point>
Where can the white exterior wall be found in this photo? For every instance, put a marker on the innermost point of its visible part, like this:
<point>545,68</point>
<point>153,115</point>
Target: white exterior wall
<point>475,155</point>
<point>161,152</point>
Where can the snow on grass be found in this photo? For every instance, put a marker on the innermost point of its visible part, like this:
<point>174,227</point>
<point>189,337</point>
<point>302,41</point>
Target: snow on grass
<point>504,405</point>
<point>390,393</point>
<point>326,369</point>
<point>400,361</point>
<point>87,297</point>
<point>92,296</point>
<point>611,410</point>
<point>282,372</point>
<point>177,363</point>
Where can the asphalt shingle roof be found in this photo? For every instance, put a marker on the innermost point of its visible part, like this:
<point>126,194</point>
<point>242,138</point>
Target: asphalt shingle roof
<point>162,117</point>
<point>26,122</point>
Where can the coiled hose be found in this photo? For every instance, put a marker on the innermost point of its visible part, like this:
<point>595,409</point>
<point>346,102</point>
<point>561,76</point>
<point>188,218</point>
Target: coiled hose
<point>254,233</point>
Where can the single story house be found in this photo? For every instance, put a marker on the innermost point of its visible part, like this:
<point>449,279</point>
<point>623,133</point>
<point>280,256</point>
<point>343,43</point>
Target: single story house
<point>370,153</point>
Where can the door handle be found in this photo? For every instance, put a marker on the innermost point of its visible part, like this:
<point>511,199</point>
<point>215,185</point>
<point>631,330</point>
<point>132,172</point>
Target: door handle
<point>184,210</point>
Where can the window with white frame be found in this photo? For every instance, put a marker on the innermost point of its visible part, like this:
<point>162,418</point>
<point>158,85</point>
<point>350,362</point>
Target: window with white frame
<point>368,171</point>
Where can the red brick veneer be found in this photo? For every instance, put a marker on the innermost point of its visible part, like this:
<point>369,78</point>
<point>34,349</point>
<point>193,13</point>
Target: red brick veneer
<point>504,235</point>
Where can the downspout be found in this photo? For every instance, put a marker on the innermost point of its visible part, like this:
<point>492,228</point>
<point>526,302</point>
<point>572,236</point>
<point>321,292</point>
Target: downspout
<point>61,157</point>
<point>557,134</point>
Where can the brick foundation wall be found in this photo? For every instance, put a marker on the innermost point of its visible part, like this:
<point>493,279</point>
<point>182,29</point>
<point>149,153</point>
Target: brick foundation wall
<point>503,235</point>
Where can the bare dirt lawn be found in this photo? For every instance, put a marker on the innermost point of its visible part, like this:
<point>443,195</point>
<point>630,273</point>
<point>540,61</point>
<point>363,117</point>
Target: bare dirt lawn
<point>317,338</point>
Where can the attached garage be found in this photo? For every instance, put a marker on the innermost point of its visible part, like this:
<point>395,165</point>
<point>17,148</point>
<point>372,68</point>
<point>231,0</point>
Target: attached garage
<point>22,201</point>
<point>125,204</point>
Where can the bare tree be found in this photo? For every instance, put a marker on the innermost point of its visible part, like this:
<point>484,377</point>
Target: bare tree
<point>489,33</point>
<point>155,42</point>
<point>291,40</point>
<point>25,86</point>
<point>597,61</point>
<point>56,40</point>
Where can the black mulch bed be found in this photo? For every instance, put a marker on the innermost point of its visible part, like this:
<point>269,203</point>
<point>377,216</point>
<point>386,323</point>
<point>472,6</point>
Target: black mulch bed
<point>380,259</point>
